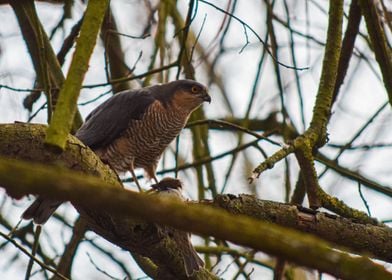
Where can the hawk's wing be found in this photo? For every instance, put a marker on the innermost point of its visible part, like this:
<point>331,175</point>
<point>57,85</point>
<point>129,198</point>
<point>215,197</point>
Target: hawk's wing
<point>110,119</point>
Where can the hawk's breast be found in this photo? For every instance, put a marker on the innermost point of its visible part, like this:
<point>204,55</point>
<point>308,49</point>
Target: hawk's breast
<point>144,141</point>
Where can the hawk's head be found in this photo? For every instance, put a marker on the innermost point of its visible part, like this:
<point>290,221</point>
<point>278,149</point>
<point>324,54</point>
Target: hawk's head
<point>185,94</point>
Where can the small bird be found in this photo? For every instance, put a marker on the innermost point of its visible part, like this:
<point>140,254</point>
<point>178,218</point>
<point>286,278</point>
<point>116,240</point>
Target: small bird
<point>132,129</point>
<point>172,188</point>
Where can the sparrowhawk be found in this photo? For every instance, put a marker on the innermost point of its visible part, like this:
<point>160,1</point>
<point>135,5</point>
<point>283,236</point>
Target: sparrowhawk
<point>132,129</point>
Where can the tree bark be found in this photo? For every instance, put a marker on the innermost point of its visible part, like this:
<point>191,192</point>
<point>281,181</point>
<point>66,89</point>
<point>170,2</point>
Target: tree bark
<point>360,238</point>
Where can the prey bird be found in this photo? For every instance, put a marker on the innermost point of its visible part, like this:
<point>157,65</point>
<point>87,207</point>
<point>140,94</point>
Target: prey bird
<point>172,188</point>
<point>132,129</point>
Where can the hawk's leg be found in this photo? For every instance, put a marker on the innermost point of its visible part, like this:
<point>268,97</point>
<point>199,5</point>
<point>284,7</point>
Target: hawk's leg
<point>150,173</point>
<point>132,169</point>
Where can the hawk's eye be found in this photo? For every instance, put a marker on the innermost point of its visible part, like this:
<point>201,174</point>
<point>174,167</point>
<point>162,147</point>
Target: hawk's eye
<point>195,89</point>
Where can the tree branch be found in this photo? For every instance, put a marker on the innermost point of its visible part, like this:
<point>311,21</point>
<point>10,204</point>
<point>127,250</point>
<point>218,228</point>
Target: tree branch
<point>360,238</point>
<point>33,32</point>
<point>108,210</point>
<point>114,52</point>
<point>377,36</point>
<point>26,141</point>
<point>316,135</point>
<point>317,131</point>
<point>66,108</point>
<point>354,20</point>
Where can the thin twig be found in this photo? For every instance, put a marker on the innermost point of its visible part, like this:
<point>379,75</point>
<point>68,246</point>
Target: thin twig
<point>120,80</point>
<point>37,233</point>
<point>27,253</point>
<point>364,199</point>
<point>255,33</point>
<point>21,89</point>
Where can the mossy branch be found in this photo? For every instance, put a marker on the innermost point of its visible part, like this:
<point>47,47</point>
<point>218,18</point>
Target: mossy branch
<point>306,162</point>
<point>316,135</point>
<point>317,131</point>
<point>26,141</point>
<point>339,207</point>
<point>348,233</point>
<point>271,124</point>
<point>90,194</point>
<point>270,161</point>
<point>63,116</point>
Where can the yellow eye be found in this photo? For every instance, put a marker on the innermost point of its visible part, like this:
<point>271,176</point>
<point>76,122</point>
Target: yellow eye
<point>195,89</point>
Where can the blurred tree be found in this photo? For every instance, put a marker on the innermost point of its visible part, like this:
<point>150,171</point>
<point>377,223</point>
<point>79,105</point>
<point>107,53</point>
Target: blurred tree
<point>302,88</point>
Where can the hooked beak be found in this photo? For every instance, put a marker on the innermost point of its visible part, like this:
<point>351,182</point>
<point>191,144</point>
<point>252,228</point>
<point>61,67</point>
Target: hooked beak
<point>206,97</point>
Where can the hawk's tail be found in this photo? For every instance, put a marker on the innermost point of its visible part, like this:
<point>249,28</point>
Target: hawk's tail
<point>192,260</point>
<point>41,210</point>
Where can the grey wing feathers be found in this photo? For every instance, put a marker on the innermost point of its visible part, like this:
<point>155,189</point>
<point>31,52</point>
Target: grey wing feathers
<point>110,119</point>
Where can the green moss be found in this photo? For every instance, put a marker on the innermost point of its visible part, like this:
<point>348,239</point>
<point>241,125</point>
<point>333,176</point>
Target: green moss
<point>63,117</point>
<point>322,107</point>
<point>339,207</point>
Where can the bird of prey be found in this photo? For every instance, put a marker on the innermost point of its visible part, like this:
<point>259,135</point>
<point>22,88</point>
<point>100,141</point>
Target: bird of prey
<point>171,188</point>
<point>132,129</point>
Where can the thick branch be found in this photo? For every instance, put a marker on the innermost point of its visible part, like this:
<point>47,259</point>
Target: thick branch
<point>113,206</point>
<point>360,238</point>
<point>26,141</point>
<point>27,144</point>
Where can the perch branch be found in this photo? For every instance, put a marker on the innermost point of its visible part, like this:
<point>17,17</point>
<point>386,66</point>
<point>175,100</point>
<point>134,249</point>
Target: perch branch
<point>90,194</point>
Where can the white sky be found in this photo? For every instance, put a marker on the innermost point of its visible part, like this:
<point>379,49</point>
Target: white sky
<point>358,100</point>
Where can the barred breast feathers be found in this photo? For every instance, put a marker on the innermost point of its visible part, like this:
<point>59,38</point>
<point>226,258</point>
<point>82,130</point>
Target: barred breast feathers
<point>145,140</point>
